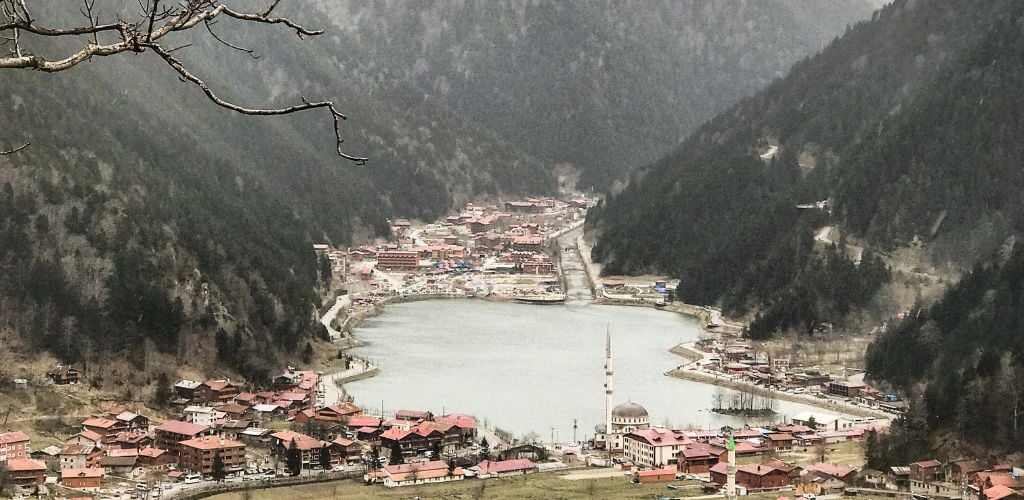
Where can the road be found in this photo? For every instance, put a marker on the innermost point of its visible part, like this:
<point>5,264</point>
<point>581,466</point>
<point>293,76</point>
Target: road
<point>328,317</point>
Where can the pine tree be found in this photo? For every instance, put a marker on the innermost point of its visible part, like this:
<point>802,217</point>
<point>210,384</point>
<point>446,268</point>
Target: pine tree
<point>163,392</point>
<point>485,449</point>
<point>325,457</point>
<point>218,467</point>
<point>307,353</point>
<point>294,459</point>
<point>396,454</point>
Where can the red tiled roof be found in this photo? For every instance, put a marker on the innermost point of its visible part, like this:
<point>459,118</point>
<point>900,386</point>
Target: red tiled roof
<point>999,491</point>
<point>757,469</point>
<point>211,443</point>
<point>151,452</point>
<point>102,423</point>
<point>363,421</point>
<point>25,465</point>
<point>833,470</point>
<point>498,467</point>
<point>782,436</point>
<point>656,472</point>
<point>395,434</point>
<point>217,385</point>
<point>340,441</point>
<point>927,464</point>
<point>13,437</point>
<point>183,428</point>
<point>90,435</point>
<point>81,472</point>
<point>660,437</point>
<point>460,420</point>
<point>74,449</point>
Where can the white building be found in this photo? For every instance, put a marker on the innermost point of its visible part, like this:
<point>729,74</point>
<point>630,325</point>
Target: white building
<point>656,447</point>
<point>202,415</point>
<point>823,421</point>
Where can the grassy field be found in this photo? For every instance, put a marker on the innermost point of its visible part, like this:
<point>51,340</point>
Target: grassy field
<point>535,486</point>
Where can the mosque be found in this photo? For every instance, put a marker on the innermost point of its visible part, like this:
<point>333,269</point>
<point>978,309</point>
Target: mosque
<point>620,420</point>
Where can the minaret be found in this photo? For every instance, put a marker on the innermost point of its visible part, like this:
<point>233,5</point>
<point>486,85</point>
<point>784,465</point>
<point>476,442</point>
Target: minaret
<point>608,388</point>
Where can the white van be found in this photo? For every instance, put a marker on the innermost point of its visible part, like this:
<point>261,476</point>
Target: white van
<point>193,478</point>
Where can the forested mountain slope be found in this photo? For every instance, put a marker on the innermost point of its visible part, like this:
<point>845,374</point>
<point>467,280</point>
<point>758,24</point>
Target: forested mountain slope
<point>143,218</point>
<point>604,85</point>
<point>908,124</point>
<point>965,355</point>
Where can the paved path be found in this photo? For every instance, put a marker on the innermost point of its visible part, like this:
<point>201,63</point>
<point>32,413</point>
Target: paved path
<point>328,317</point>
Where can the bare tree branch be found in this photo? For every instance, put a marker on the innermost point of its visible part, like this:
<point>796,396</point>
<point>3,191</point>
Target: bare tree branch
<point>154,22</point>
<point>15,150</point>
<point>335,114</point>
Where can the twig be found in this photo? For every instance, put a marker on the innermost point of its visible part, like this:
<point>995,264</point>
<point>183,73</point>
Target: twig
<point>15,150</point>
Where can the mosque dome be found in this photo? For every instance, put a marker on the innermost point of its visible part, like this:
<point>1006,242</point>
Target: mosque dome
<point>629,410</point>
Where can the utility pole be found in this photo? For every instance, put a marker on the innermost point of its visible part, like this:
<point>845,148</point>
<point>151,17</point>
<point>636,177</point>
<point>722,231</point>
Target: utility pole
<point>574,430</point>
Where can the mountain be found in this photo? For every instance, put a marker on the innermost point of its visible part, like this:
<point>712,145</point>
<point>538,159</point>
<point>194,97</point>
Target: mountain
<point>905,128</point>
<point>603,85</point>
<point>965,356</point>
<point>143,218</point>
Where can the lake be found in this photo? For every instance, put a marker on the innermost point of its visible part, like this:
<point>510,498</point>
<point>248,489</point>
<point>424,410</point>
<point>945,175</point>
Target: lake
<point>528,368</point>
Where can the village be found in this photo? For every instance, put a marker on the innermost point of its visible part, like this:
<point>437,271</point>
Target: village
<point>218,435</point>
<point>225,437</point>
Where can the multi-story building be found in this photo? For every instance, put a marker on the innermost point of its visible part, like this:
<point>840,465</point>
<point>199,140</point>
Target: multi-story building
<point>197,455</point>
<point>655,447</point>
<point>25,471</point>
<point>172,432</point>
<point>14,445</point>
<point>398,260</point>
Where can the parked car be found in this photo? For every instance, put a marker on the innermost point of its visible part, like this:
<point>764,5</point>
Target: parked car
<point>193,478</point>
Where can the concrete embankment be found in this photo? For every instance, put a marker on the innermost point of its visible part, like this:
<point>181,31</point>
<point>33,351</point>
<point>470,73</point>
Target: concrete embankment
<point>687,353</point>
<point>704,378</point>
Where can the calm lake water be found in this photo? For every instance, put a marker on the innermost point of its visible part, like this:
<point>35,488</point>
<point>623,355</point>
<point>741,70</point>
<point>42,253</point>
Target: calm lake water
<point>529,368</point>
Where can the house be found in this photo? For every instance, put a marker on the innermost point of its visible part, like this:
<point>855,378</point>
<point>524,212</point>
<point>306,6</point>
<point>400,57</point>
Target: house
<point>436,471</point>
<point>65,375</point>
<point>962,470</point>
<point>846,388</point>
<point>413,415</point>
<point>74,456</point>
<point>987,479</point>
<point>84,478</point>
<point>926,471</point>
<point>255,436</point>
<point>269,411</point>
<point>87,438</point>
<point>133,421</point>
<point>14,445</point>
<point>844,474</point>
<point>654,447</point>
<point>344,450</point>
<point>503,468</point>
<point>134,440</point>
<point>25,471</point>
<point>103,426</point>
<point>752,476</point>
<point>155,457</point>
<point>186,389</point>
<point>822,421</point>
<point>120,465</point>
<point>780,441</point>
<point>197,455</point>
<point>233,410</point>
<point>308,446</point>
<point>232,428</point>
<point>654,476</point>
<point>215,391</point>
<point>172,432</point>
<point>202,415</point>
<point>338,412</point>
<point>698,458</point>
